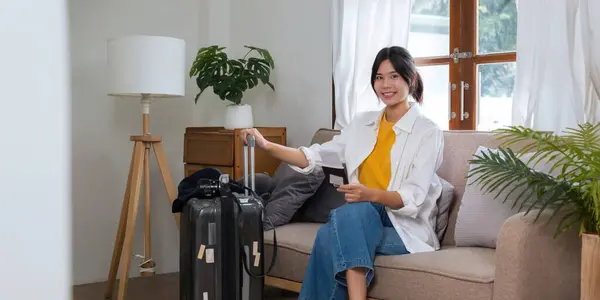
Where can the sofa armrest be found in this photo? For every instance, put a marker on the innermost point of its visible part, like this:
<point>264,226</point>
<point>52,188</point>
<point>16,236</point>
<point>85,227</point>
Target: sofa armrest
<point>532,264</point>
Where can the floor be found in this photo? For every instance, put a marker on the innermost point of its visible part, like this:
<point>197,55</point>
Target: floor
<point>159,287</point>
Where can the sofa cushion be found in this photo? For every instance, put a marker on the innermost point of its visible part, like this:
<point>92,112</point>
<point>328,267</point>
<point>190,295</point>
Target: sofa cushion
<point>324,135</point>
<point>459,147</point>
<point>481,215</point>
<point>444,203</point>
<point>316,209</point>
<point>450,273</point>
<point>291,190</point>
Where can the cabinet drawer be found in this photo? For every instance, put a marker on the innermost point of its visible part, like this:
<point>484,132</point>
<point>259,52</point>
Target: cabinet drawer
<point>191,168</point>
<point>223,149</point>
<point>209,148</point>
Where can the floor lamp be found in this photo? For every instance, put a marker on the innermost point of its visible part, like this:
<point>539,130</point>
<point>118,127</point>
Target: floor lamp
<point>143,67</point>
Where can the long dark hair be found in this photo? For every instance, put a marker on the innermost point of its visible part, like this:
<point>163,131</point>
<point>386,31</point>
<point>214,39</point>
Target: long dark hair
<point>404,64</point>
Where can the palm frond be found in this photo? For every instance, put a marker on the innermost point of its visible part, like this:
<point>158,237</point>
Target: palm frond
<point>585,136</point>
<point>570,187</point>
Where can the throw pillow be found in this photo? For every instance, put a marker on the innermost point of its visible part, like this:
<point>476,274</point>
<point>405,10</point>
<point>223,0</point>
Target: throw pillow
<point>291,190</point>
<point>317,207</point>
<point>480,216</point>
<point>264,185</point>
<point>444,203</point>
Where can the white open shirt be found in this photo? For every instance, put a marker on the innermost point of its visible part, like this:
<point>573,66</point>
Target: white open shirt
<point>415,157</point>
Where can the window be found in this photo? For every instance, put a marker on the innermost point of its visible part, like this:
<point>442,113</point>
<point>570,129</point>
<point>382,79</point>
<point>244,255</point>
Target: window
<point>465,51</point>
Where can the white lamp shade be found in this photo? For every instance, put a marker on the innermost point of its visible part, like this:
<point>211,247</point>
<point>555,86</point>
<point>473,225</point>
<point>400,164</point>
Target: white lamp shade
<point>150,65</point>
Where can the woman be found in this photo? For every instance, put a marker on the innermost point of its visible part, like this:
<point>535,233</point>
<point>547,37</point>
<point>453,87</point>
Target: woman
<point>391,158</point>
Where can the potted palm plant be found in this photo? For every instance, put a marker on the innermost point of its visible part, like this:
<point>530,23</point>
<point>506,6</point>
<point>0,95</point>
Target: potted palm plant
<point>571,191</point>
<point>231,78</point>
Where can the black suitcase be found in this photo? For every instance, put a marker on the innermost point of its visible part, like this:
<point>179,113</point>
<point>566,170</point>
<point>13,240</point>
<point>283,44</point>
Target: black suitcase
<point>221,249</point>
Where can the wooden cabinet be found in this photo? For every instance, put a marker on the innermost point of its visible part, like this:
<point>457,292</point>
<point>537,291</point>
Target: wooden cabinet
<point>223,149</point>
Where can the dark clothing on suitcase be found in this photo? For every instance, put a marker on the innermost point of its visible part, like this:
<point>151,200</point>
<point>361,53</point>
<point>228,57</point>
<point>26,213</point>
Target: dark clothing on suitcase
<point>188,187</point>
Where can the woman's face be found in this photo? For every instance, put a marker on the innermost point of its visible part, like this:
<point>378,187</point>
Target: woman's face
<point>389,85</point>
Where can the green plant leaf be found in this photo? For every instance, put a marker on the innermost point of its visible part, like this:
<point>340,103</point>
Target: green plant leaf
<point>574,159</point>
<point>565,224</point>
<point>230,78</point>
<point>265,54</point>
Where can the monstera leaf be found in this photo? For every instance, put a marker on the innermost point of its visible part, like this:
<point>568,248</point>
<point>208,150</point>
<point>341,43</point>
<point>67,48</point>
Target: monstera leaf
<point>230,78</point>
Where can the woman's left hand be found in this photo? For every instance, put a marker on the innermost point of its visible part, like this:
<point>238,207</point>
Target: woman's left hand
<point>356,192</point>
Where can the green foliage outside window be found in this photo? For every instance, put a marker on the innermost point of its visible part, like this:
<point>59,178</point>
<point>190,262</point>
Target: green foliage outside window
<point>497,32</point>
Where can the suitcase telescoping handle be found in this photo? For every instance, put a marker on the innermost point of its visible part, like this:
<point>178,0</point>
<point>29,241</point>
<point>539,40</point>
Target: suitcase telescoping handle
<point>251,144</point>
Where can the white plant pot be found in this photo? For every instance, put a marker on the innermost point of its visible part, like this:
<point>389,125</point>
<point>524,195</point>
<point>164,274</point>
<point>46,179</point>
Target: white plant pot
<point>238,116</point>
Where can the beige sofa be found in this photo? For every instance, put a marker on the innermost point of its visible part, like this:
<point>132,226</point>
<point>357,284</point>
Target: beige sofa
<point>528,264</point>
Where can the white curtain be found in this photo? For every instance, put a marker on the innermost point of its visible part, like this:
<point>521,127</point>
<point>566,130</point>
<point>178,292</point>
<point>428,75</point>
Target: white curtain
<point>557,64</point>
<point>590,30</point>
<point>360,29</point>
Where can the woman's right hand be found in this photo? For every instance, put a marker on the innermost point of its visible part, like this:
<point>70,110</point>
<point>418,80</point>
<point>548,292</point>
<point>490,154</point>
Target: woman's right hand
<point>260,140</point>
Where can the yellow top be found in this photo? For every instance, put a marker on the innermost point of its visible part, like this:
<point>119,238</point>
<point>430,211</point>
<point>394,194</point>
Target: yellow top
<point>376,172</point>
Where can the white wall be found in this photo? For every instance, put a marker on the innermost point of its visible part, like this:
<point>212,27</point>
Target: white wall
<point>35,219</point>
<point>102,126</point>
<point>298,35</point>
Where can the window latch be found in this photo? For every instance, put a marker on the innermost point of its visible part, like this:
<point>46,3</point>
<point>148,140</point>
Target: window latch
<point>457,55</point>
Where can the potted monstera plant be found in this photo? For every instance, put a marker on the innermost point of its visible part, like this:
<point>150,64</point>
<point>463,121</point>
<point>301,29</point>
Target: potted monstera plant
<point>230,78</point>
<point>570,190</point>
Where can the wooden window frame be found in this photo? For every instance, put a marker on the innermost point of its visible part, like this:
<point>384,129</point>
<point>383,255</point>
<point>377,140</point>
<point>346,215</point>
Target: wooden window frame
<point>463,35</point>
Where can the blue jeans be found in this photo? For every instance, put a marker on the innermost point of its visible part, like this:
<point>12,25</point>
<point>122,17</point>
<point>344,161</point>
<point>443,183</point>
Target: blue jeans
<point>354,234</point>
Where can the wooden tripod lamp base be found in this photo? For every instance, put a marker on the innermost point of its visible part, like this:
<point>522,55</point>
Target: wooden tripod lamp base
<point>140,164</point>
<point>150,67</point>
